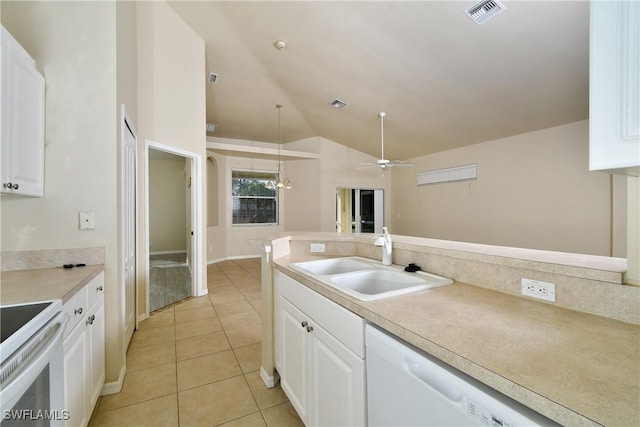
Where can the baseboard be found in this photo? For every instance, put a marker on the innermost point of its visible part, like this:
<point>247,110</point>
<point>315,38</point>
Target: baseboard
<point>269,380</point>
<point>114,387</point>
<point>167,252</point>
<point>213,261</point>
<point>141,317</point>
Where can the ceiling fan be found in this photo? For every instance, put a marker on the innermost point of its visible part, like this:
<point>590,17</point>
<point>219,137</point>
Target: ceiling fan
<point>383,163</point>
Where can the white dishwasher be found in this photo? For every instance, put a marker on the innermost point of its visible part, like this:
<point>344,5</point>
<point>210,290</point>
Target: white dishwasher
<point>406,387</point>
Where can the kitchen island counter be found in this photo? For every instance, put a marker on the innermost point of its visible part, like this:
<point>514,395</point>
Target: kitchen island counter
<point>575,368</point>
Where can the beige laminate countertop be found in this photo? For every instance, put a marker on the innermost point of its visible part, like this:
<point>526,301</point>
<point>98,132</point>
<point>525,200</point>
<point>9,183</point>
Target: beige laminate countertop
<point>575,368</point>
<point>43,284</point>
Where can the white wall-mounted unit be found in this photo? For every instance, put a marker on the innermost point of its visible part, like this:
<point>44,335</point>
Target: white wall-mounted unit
<point>458,173</point>
<point>22,122</point>
<point>614,87</point>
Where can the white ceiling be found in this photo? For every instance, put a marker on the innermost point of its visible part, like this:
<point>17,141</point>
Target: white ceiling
<point>443,80</point>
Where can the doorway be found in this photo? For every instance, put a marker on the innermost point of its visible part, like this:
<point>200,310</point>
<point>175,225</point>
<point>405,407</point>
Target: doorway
<point>359,210</point>
<point>173,255</point>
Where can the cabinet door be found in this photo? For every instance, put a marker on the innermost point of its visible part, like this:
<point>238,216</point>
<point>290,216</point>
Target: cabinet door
<point>22,121</point>
<point>75,376</point>
<point>294,355</point>
<point>614,87</point>
<point>95,333</point>
<point>337,393</point>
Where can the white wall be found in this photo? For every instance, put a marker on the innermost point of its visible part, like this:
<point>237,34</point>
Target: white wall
<point>167,205</point>
<point>74,44</point>
<point>171,104</point>
<point>533,190</point>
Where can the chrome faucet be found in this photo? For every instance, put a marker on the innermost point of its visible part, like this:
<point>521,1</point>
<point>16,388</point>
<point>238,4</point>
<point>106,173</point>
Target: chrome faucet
<point>385,242</point>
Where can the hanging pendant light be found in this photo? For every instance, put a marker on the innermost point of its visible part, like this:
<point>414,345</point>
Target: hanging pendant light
<point>281,182</point>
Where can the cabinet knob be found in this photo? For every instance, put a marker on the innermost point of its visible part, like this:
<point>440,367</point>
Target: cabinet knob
<point>78,311</point>
<point>9,185</point>
<point>304,323</point>
<point>309,328</point>
<point>99,288</point>
<point>90,319</point>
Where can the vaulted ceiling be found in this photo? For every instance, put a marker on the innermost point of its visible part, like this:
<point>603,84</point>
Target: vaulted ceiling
<point>443,80</point>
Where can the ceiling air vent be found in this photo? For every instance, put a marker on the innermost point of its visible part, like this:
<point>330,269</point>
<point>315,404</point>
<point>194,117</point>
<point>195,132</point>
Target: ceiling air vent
<point>213,77</point>
<point>336,103</point>
<point>484,10</point>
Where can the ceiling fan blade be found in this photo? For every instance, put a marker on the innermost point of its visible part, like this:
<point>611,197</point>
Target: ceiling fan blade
<point>367,165</point>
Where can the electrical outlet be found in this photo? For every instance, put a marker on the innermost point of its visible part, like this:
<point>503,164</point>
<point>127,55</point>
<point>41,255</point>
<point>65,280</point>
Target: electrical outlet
<point>541,290</point>
<point>317,247</point>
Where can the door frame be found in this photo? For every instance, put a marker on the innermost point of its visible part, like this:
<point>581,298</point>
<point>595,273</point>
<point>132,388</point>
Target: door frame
<point>197,288</point>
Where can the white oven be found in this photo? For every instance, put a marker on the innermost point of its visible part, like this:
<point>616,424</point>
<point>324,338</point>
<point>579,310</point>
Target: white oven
<point>31,365</point>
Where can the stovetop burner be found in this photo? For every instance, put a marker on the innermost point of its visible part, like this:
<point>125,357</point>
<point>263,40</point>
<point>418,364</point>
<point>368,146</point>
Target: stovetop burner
<point>13,317</point>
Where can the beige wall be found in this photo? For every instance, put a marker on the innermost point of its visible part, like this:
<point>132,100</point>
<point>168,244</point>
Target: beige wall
<point>74,44</point>
<point>171,104</point>
<point>167,205</point>
<point>533,190</point>
<point>311,205</point>
<point>226,240</point>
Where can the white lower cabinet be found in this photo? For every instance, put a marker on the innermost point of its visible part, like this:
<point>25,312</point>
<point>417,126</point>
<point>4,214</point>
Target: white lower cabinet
<point>319,356</point>
<point>84,348</point>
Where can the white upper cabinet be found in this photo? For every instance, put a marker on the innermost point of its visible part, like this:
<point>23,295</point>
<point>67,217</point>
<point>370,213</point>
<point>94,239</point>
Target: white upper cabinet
<point>22,120</point>
<point>614,104</point>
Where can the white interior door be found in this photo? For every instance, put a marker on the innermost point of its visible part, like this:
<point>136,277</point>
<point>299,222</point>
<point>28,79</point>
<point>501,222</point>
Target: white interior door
<point>128,200</point>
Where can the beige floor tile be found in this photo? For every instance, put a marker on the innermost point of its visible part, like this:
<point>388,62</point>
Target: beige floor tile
<point>252,295</point>
<point>145,357</point>
<point>152,336</point>
<point>190,315</point>
<point>253,420</point>
<point>249,357</point>
<point>196,302</point>
<point>283,415</point>
<point>216,403</point>
<point>257,306</point>
<point>143,385</point>
<point>225,296</point>
<point>233,308</point>
<point>160,318</point>
<point>245,335</point>
<point>204,326</point>
<point>239,320</point>
<point>207,369</point>
<point>159,412</point>
<point>265,397</point>
<point>201,345</point>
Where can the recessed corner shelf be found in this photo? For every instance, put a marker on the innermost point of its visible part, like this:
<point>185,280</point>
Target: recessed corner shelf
<point>257,152</point>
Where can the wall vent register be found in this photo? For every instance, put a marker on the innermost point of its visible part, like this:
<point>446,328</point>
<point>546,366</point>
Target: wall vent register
<point>459,173</point>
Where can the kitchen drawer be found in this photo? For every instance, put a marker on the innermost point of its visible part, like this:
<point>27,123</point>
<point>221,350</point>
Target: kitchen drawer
<point>95,289</point>
<point>345,326</point>
<point>75,310</point>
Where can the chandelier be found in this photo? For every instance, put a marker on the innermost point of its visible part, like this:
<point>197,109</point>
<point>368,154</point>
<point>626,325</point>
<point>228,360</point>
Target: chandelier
<point>280,181</point>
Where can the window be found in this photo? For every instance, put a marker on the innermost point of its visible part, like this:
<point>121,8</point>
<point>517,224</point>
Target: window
<point>252,201</point>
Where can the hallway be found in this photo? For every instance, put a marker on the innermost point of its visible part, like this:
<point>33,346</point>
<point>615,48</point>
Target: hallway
<point>197,363</point>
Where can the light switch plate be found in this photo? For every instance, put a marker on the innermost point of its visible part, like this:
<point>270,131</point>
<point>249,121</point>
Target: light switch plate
<point>87,220</point>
